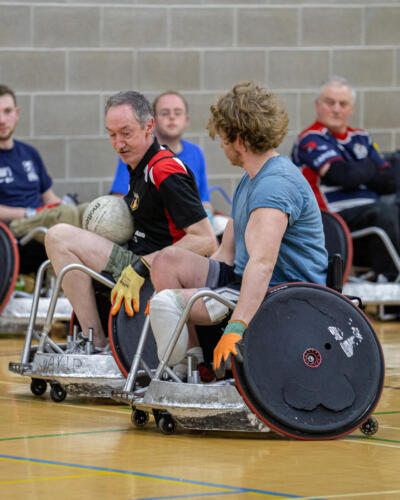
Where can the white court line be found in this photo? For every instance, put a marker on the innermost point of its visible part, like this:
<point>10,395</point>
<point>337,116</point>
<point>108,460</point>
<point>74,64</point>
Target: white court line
<point>370,442</point>
<point>389,427</point>
<point>353,495</point>
<point>91,408</point>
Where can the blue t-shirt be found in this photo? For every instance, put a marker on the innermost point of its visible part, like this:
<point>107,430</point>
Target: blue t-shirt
<point>191,155</point>
<point>302,254</point>
<point>23,176</point>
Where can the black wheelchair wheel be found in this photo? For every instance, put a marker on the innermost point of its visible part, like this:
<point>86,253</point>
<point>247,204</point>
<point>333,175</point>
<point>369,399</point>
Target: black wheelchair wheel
<point>312,365</point>
<point>9,264</point>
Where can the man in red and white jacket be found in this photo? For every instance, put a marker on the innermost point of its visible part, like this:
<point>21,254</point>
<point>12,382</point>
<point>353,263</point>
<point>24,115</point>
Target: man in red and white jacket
<point>347,172</point>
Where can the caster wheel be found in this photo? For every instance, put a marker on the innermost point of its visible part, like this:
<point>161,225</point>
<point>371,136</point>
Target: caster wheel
<point>139,418</point>
<point>166,424</point>
<point>57,393</point>
<point>38,386</point>
<point>370,427</point>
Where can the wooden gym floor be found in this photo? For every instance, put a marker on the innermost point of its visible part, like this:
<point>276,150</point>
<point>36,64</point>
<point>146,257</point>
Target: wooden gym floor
<point>86,449</point>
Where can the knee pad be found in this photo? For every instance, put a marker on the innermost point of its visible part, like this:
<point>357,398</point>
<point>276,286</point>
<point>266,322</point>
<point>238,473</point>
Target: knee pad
<point>216,309</point>
<point>166,308</point>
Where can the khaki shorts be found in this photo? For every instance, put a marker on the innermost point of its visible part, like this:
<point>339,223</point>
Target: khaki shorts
<point>119,259</point>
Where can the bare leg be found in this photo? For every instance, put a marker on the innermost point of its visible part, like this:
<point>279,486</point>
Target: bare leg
<point>177,268</point>
<point>67,244</point>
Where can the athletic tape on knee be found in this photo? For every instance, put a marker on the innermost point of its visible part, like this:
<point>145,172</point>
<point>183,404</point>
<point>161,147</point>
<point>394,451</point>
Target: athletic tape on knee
<point>216,309</point>
<point>166,309</point>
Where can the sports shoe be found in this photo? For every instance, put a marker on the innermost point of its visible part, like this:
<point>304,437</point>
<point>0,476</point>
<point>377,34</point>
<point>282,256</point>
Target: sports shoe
<point>181,369</point>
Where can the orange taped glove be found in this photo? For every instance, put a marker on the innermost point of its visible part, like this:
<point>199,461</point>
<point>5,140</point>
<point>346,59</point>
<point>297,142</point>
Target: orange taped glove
<point>227,345</point>
<point>128,288</point>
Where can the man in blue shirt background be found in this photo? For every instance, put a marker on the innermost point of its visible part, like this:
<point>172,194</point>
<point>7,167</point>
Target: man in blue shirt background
<point>171,120</point>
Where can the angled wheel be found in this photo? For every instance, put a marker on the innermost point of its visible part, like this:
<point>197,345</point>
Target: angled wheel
<point>9,258</point>
<point>312,365</point>
<point>124,334</point>
<point>38,386</point>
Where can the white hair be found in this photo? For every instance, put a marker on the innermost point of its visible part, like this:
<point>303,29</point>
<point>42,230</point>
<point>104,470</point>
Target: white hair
<point>337,80</point>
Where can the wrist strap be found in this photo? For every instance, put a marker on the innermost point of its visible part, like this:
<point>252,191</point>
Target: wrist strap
<point>141,268</point>
<point>239,321</point>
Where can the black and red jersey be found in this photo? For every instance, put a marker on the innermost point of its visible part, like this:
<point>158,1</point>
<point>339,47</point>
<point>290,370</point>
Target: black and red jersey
<point>163,198</point>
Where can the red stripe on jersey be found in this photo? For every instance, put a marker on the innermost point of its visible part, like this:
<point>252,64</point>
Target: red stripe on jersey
<point>314,180</point>
<point>175,233</point>
<point>163,169</point>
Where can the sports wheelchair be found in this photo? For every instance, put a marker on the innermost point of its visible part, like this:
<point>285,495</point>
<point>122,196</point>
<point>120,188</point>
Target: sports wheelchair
<point>23,256</point>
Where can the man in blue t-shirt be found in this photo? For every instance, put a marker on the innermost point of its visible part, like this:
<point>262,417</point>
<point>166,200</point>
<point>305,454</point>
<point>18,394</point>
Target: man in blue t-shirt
<point>27,200</point>
<point>24,182</point>
<point>171,120</point>
<point>275,234</point>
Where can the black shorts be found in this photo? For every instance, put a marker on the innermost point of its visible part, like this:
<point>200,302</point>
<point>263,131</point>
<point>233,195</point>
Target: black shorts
<point>222,275</point>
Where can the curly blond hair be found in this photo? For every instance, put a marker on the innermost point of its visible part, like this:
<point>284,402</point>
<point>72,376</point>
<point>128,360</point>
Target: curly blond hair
<point>252,113</point>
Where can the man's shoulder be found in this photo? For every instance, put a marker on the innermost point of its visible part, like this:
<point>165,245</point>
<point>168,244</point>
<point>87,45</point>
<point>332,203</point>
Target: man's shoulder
<point>316,129</point>
<point>191,150</point>
<point>24,146</point>
<point>163,165</point>
<point>190,146</point>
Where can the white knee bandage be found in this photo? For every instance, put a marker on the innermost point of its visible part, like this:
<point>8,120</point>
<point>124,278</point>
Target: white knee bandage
<point>216,309</point>
<point>166,308</point>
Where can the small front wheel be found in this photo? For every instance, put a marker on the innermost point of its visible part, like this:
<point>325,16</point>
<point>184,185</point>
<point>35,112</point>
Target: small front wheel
<point>38,386</point>
<point>166,424</point>
<point>57,393</point>
<point>370,426</point>
<point>140,418</point>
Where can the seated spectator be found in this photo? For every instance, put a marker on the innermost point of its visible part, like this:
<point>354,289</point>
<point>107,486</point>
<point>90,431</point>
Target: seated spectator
<point>348,174</point>
<point>25,186</point>
<point>171,120</point>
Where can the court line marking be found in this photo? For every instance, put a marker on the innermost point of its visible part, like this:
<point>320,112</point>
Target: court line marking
<point>26,398</point>
<point>352,495</point>
<point>389,427</point>
<point>371,442</point>
<point>62,434</point>
<point>193,495</point>
<point>49,478</point>
<point>122,472</point>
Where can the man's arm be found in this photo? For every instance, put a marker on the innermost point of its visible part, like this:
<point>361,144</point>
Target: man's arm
<point>226,251</point>
<point>264,234</point>
<point>199,238</point>
<point>10,213</point>
<point>49,197</point>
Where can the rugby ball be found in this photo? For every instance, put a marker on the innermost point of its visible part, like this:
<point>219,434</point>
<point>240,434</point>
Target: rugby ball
<point>110,217</point>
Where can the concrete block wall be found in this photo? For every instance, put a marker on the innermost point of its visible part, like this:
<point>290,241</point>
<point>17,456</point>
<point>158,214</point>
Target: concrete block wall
<point>65,57</point>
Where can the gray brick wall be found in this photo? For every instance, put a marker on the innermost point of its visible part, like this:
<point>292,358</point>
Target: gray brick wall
<point>65,57</point>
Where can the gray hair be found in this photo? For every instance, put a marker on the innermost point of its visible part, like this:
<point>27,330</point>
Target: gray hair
<point>140,105</point>
<point>338,80</point>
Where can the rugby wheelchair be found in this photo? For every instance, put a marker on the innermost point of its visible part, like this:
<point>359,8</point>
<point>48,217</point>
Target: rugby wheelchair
<point>312,367</point>
<point>23,256</point>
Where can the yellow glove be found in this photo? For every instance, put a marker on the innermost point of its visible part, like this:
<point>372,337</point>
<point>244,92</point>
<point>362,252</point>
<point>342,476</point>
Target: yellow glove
<point>227,345</point>
<point>128,288</point>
